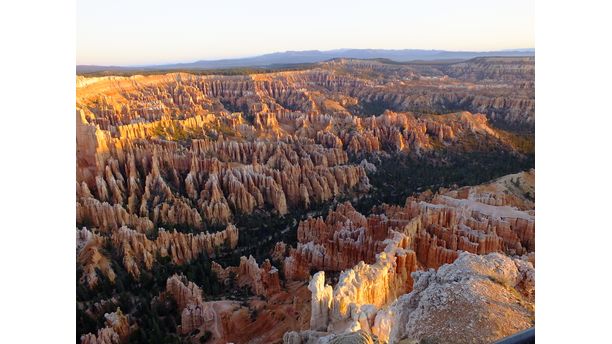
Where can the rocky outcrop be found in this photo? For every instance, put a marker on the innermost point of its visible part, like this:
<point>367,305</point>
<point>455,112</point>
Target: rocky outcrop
<point>479,219</point>
<point>321,302</point>
<point>344,238</point>
<point>362,290</point>
<point>91,258</point>
<point>262,280</point>
<point>189,299</point>
<point>222,319</point>
<point>430,232</point>
<point>107,217</point>
<point>477,299</point>
<point>138,251</point>
<point>466,219</point>
<point>183,291</point>
<point>515,190</point>
<point>117,330</point>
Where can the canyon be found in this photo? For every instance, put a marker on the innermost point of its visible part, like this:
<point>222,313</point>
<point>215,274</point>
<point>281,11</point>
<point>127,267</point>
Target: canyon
<point>353,201</point>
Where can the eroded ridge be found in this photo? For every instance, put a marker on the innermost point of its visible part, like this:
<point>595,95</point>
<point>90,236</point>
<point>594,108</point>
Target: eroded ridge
<point>430,232</point>
<point>186,184</point>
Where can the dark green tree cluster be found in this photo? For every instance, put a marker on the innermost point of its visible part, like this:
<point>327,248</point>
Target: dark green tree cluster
<point>401,175</point>
<point>156,320</point>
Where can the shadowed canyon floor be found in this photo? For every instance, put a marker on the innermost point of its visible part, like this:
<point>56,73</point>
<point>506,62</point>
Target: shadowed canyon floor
<point>353,201</point>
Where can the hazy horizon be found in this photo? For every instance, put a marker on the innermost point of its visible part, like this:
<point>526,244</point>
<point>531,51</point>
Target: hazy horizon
<point>154,32</point>
<point>288,51</point>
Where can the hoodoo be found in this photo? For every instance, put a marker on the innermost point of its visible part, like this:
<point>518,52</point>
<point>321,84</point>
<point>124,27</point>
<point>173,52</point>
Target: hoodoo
<point>348,201</point>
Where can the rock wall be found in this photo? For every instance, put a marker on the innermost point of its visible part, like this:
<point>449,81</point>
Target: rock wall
<point>264,280</point>
<point>479,219</point>
<point>189,299</point>
<point>336,86</point>
<point>139,251</point>
<point>344,238</point>
<point>362,290</point>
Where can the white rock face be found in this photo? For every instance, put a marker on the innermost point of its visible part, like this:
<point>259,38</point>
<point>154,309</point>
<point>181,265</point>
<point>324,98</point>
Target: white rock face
<point>320,301</point>
<point>362,291</point>
<point>477,299</point>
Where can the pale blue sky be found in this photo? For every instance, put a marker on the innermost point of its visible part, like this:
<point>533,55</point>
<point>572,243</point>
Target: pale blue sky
<point>132,32</point>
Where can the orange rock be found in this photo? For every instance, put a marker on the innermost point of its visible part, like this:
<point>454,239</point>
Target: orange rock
<point>117,330</point>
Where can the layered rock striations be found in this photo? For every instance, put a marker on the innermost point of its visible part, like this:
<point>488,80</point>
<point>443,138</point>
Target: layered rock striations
<point>493,217</point>
<point>344,238</point>
<point>197,154</point>
<point>361,291</point>
<point>139,252</point>
<point>501,87</point>
<point>516,190</point>
<point>429,232</point>
<point>165,150</point>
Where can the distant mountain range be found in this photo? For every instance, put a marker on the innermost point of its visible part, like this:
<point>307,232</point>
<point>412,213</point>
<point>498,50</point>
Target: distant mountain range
<point>313,56</point>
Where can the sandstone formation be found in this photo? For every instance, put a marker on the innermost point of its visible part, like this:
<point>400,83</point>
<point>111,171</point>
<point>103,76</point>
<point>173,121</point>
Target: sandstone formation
<point>117,330</point>
<point>164,150</point>
<point>477,299</point>
<point>344,238</point>
<point>429,232</point>
<point>220,178</point>
<point>444,87</point>
<point>480,219</point>
<point>183,291</point>
<point>516,190</point>
<point>138,251</point>
<point>262,280</point>
<point>361,291</point>
<point>91,258</point>
<point>202,155</point>
<point>193,310</point>
<point>232,321</point>
<point>332,87</point>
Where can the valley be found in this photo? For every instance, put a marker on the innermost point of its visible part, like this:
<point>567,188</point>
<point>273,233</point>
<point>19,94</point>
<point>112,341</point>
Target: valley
<point>341,198</point>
